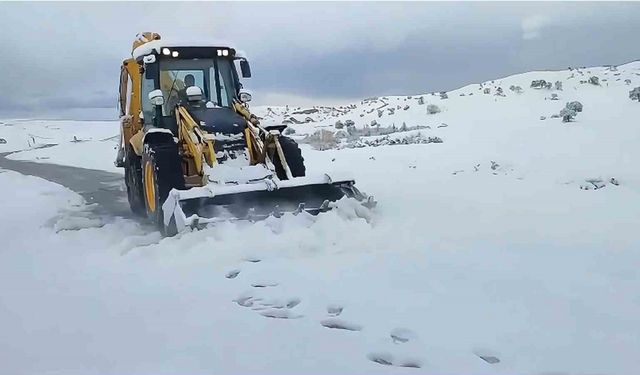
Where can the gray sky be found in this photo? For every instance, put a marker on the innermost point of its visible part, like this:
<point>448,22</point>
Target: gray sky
<point>67,55</point>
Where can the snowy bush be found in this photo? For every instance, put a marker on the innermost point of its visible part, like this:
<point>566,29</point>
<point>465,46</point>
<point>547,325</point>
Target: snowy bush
<point>548,85</point>
<point>432,109</point>
<point>558,85</point>
<point>405,107</point>
<point>499,92</point>
<point>543,117</point>
<point>341,134</point>
<point>380,112</point>
<point>349,123</point>
<point>567,114</point>
<point>538,84</point>
<point>417,138</point>
<point>339,125</point>
<point>486,91</point>
<point>554,96</point>
<point>516,89</point>
<point>443,95</point>
<point>575,106</point>
<point>403,128</point>
<point>305,112</point>
<point>321,139</point>
<point>421,100</point>
<point>594,80</point>
<point>635,94</point>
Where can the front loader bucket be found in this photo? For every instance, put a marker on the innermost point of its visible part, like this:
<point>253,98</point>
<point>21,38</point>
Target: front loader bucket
<point>199,206</point>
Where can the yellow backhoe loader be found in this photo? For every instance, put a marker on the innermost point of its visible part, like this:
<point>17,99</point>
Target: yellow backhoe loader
<point>193,154</point>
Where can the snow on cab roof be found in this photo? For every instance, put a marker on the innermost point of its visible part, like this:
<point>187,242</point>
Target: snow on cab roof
<point>157,45</point>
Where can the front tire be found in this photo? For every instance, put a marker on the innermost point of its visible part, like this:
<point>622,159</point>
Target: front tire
<point>161,172</point>
<point>294,158</point>
<point>133,181</point>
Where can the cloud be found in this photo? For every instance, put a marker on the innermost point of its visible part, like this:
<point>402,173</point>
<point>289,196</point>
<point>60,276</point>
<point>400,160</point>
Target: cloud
<point>58,54</point>
<point>532,25</point>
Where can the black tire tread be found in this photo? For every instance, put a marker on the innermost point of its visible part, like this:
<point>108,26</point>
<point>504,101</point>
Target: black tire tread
<point>133,182</point>
<point>168,175</point>
<point>293,155</point>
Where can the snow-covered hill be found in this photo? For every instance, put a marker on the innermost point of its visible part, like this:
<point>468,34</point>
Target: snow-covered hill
<point>509,247</point>
<point>614,83</point>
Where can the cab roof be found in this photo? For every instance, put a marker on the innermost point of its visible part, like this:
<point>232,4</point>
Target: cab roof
<point>157,45</point>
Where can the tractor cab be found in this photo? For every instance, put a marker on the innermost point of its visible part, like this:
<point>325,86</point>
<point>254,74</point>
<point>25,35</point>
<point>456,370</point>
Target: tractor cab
<point>203,80</point>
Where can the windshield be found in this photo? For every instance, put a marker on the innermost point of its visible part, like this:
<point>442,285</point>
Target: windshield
<point>214,77</point>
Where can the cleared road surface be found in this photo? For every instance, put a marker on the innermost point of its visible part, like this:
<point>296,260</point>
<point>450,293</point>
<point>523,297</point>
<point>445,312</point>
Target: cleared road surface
<point>105,189</point>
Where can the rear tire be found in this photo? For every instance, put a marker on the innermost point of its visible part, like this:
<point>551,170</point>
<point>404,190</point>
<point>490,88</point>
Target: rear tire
<point>294,158</point>
<point>133,181</point>
<point>161,172</point>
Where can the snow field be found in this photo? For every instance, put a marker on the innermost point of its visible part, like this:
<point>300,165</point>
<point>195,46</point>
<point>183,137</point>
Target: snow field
<point>484,256</point>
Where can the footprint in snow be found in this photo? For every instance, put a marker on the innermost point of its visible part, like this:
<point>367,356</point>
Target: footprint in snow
<point>270,308</point>
<point>264,284</point>
<point>334,310</point>
<point>488,356</point>
<point>335,323</point>
<point>280,314</point>
<point>381,358</point>
<point>280,304</point>
<point>293,303</point>
<point>244,301</point>
<point>232,274</point>
<point>387,359</point>
<point>402,335</point>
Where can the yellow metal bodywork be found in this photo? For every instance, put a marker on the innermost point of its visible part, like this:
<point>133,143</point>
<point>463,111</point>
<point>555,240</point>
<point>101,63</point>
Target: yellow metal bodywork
<point>196,144</point>
<point>144,37</point>
<point>130,71</point>
<point>149,186</point>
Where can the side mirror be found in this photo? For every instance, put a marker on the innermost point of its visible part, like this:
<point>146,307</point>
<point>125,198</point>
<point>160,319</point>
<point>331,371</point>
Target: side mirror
<point>156,97</point>
<point>244,96</point>
<point>245,68</point>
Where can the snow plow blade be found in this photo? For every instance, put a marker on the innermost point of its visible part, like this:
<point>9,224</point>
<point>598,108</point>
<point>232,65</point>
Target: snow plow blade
<point>199,206</point>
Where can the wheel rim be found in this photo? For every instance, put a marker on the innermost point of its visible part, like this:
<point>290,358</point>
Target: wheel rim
<point>150,187</point>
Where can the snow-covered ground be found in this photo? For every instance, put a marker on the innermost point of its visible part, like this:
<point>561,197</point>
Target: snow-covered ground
<point>490,253</point>
<point>86,144</point>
